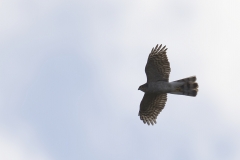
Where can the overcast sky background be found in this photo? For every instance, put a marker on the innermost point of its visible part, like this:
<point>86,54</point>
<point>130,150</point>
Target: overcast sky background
<point>70,70</point>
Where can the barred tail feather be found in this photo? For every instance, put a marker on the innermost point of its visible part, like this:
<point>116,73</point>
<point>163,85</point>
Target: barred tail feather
<point>187,86</point>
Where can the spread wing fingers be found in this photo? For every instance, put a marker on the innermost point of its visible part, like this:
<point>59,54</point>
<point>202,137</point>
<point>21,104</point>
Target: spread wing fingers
<point>151,105</point>
<point>158,67</point>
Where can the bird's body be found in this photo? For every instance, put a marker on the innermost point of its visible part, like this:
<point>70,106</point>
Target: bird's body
<point>157,70</point>
<point>158,87</point>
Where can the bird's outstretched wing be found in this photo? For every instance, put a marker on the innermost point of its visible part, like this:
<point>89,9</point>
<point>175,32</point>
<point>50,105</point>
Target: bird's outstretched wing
<point>151,105</point>
<point>157,67</point>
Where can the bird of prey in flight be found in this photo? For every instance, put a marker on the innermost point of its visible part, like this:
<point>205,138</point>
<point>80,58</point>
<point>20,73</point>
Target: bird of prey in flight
<point>155,90</point>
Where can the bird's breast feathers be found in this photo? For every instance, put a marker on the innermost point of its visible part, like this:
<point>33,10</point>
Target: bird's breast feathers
<point>159,87</point>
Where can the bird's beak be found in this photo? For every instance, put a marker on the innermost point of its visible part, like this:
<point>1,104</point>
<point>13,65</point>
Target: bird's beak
<point>139,88</point>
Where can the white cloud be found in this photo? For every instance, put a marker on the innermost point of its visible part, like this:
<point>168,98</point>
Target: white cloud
<point>21,144</point>
<point>218,49</point>
<point>112,40</point>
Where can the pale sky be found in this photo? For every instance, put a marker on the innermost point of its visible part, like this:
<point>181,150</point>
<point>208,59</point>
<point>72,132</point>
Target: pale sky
<point>70,70</point>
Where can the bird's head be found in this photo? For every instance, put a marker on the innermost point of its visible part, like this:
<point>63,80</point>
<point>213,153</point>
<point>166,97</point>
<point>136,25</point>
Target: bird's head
<point>143,87</point>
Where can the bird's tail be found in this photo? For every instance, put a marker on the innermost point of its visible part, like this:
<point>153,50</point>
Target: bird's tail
<point>187,86</point>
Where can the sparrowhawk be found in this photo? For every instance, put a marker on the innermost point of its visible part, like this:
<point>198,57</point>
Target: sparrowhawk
<point>155,90</point>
